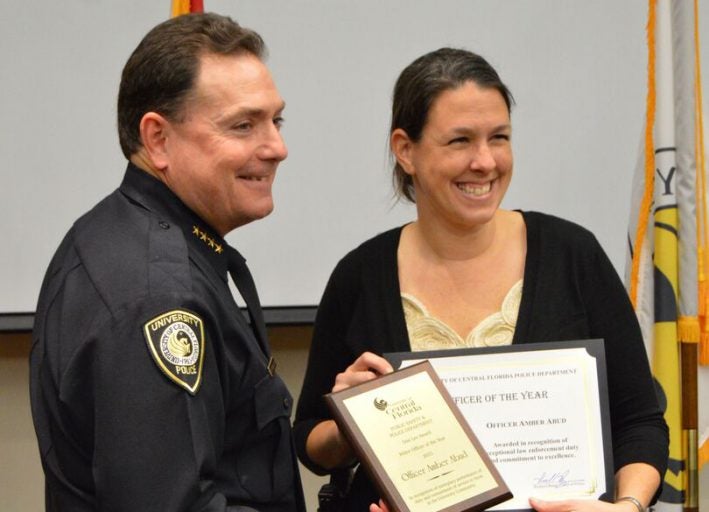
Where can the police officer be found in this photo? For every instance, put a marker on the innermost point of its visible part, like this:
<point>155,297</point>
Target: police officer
<point>150,390</point>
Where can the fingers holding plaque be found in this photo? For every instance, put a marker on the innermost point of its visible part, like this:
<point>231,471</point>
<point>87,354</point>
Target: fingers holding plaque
<point>416,445</point>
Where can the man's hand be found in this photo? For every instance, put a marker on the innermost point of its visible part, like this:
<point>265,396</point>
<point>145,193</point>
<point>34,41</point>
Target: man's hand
<point>382,507</point>
<point>580,506</point>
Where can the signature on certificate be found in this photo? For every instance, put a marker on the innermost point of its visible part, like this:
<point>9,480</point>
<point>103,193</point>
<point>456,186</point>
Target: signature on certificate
<point>556,479</point>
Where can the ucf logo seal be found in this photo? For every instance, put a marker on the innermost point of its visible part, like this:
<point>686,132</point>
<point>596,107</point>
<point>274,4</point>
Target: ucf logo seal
<point>176,342</point>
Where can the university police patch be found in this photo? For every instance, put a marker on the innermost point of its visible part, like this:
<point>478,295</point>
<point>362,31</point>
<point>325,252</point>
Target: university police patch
<point>176,342</point>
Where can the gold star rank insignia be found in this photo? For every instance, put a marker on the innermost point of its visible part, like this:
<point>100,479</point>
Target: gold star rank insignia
<point>176,342</point>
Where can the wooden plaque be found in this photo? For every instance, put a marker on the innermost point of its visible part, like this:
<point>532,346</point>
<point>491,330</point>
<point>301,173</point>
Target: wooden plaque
<point>416,445</point>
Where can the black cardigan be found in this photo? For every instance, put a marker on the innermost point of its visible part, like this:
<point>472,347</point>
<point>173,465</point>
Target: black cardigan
<point>571,291</point>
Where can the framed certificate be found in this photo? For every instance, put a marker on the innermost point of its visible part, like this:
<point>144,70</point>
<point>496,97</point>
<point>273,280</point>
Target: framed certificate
<point>539,410</point>
<point>416,445</point>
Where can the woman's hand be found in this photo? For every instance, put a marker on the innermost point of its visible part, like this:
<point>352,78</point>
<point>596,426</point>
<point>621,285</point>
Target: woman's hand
<point>366,367</point>
<point>326,445</point>
<point>581,506</point>
<point>555,506</point>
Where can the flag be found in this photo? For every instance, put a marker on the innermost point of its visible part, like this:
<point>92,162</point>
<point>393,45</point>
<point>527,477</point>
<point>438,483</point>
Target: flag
<point>668,268</point>
<point>186,6</point>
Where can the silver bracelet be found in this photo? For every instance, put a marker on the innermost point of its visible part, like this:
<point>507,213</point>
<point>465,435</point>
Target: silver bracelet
<point>634,501</point>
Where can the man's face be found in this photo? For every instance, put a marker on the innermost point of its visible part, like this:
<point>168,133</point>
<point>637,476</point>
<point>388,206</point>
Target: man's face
<point>222,157</point>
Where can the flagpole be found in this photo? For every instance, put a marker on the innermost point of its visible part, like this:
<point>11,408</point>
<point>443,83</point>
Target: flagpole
<point>690,423</point>
<point>673,120</point>
<point>686,77</point>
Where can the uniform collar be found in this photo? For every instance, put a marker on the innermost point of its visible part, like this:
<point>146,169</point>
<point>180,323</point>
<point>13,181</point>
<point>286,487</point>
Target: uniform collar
<point>153,195</point>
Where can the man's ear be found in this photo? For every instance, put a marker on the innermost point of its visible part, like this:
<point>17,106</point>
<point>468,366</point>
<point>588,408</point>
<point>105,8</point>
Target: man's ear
<point>401,146</point>
<point>154,130</point>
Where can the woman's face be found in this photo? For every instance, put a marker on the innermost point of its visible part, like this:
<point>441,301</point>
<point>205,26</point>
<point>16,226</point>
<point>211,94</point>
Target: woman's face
<point>462,165</point>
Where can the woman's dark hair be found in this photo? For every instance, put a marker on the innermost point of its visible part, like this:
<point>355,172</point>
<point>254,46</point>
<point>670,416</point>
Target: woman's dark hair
<point>421,82</point>
<point>161,72</point>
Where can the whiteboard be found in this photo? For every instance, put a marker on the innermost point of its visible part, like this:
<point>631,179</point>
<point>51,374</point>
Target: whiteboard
<point>576,69</point>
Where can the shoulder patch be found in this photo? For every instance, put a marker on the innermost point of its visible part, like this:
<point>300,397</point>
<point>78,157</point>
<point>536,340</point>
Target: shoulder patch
<point>176,342</point>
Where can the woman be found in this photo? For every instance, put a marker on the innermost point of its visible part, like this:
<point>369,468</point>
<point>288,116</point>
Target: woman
<point>467,273</point>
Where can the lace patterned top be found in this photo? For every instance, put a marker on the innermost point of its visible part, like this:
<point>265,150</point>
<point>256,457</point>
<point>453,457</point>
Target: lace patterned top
<point>426,332</point>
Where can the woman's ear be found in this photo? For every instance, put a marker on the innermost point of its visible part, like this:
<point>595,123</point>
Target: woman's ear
<point>153,134</point>
<point>401,147</point>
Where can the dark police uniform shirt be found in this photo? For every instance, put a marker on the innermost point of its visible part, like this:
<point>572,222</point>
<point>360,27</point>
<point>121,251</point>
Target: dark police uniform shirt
<point>149,389</point>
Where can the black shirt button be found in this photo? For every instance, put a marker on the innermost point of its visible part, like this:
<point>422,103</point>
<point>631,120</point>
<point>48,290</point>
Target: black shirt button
<point>164,224</point>
<point>286,403</point>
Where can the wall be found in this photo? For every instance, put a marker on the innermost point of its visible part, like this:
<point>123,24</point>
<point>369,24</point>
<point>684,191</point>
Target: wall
<point>576,68</point>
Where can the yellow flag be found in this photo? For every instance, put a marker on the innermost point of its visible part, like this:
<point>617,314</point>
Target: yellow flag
<point>667,275</point>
